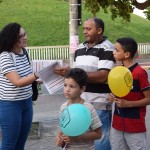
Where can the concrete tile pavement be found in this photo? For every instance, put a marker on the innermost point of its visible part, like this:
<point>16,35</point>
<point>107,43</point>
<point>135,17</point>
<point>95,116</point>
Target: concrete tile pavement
<point>46,143</point>
<point>46,112</point>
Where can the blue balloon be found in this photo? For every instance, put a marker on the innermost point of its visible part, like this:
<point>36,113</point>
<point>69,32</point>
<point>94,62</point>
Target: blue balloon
<point>75,120</point>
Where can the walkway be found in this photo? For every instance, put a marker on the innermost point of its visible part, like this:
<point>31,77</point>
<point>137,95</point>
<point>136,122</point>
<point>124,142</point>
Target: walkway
<point>46,111</point>
<point>45,123</point>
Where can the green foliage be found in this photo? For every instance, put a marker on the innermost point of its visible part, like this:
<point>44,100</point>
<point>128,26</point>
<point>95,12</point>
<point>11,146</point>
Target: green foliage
<point>122,9</point>
<point>47,22</point>
<point>147,13</point>
<point>92,6</point>
<point>118,8</point>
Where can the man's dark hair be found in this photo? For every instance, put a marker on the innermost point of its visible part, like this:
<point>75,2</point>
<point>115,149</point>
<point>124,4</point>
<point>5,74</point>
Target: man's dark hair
<point>9,36</point>
<point>78,75</point>
<point>128,44</point>
<point>99,24</point>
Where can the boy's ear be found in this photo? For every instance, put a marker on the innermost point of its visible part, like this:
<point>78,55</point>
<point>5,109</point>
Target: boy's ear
<point>127,54</point>
<point>83,89</point>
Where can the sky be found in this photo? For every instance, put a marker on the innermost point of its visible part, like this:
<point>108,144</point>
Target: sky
<point>139,12</point>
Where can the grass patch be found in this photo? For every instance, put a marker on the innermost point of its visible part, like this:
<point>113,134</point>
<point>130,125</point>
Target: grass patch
<point>47,22</point>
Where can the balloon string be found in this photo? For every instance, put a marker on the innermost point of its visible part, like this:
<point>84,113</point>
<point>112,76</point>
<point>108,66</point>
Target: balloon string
<point>64,146</point>
<point>122,116</point>
<point>118,109</point>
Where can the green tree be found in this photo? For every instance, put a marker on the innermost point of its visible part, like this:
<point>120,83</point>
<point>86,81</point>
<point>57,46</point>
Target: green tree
<point>118,8</point>
<point>147,13</point>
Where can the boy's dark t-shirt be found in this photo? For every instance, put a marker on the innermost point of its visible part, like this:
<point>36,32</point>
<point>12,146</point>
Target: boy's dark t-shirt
<point>133,119</point>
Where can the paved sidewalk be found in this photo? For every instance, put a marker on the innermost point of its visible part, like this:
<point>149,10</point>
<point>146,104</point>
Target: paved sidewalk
<point>46,111</point>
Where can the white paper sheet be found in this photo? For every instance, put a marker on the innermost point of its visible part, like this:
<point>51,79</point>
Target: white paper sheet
<point>52,81</point>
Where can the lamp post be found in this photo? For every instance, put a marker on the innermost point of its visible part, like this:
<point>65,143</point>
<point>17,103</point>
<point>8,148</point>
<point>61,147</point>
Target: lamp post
<point>74,21</point>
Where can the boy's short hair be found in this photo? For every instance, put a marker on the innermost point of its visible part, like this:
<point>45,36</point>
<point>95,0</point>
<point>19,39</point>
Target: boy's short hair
<point>128,44</point>
<point>78,75</point>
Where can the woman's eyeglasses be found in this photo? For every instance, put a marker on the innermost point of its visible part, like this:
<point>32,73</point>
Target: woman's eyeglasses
<point>23,35</point>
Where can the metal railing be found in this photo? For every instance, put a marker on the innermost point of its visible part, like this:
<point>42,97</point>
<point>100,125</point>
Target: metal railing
<point>48,52</point>
<point>62,52</point>
<point>144,48</point>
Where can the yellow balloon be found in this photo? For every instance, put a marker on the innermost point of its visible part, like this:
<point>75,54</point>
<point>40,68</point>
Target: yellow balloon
<point>120,81</point>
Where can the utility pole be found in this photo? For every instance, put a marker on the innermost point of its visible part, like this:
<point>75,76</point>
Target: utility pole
<point>73,30</point>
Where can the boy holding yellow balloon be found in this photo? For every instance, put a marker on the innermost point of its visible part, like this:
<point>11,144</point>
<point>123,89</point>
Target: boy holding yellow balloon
<point>128,125</point>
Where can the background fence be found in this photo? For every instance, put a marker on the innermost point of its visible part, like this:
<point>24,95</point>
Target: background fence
<point>48,52</point>
<point>144,48</point>
<point>62,52</point>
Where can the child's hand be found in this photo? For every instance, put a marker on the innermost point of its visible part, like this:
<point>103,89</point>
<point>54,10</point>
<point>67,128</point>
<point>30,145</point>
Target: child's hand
<point>122,103</point>
<point>111,97</point>
<point>67,139</point>
<point>58,141</point>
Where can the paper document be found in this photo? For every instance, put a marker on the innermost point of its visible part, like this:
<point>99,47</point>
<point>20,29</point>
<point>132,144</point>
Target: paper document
<point>52,81</point>
<point>38,65</point>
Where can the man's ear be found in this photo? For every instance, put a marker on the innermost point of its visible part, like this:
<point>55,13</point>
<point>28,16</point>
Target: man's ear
<point>83,89</point>
<point>99,30</point>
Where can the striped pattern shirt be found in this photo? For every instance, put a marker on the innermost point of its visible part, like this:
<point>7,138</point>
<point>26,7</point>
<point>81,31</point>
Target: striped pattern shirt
<point>96,123</point>
<point>132,119</point>
<point>98,57</point>
<point>13,62</point>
